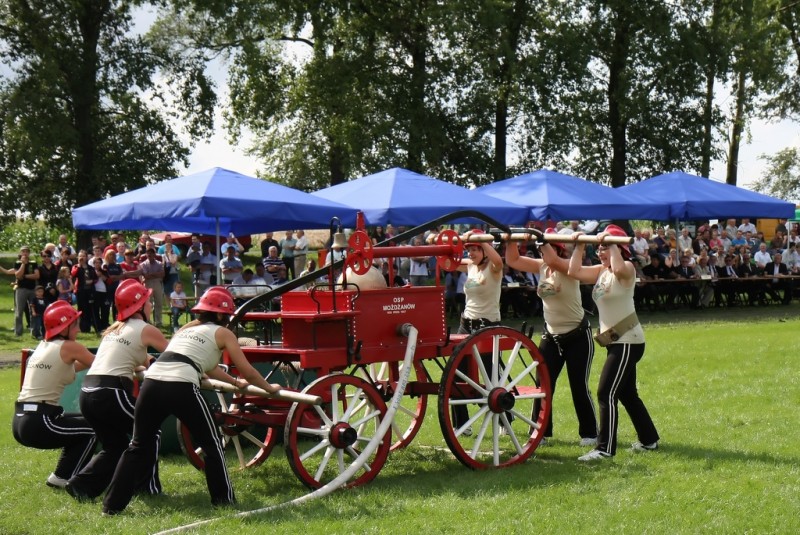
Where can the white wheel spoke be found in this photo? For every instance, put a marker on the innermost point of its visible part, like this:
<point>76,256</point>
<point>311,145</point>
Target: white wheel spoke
<point>253,440</point>
<point>354,454</point>
<point>495,358</point>
<point>355,409</point>
<point>367,418</point>
<point>472,383</point>
<point>483,410</point>
<point>340,460</point>
<point>522,375</point>
<point>335,402</point>
<point>479,438</point>
<point>476,401</point>
<point>510,364</point>
<point>537,395</point>
<point>315,449</point>
<point>352,408</point>
<point>324,417</point>
<point>406,410</point>
<point>315,431</point>
<point>525,419</point>
<point>476,356</point>
<point>324,463</point>
<point>495,439</point>
<point>510,431</point>
<point>238,447</point>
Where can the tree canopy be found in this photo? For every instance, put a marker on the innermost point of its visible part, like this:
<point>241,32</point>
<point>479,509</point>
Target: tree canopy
<point>471,92</point>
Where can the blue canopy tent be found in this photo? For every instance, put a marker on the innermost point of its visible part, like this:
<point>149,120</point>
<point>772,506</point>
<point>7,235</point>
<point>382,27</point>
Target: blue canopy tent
<point>555,196</point>
<point>403,197</point>
<point>212,202</point>
<point>692,197</point>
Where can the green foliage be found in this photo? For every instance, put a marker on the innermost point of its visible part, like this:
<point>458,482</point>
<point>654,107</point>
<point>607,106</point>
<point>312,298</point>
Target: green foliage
<point>782,177</point>
<point>81,113</point>
<point>34,234</point>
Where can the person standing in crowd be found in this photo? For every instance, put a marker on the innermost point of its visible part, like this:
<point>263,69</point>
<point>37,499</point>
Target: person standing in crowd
<point>102,299</point>
<point>287,252</point>
<point>622,335</point>
<point>171,386</point>
<point>300,252</point>
<point>230,266</point>
<point>567,335</point>
<point>38,304</point>
<point>266,243</point>
<point>178,304</point>
<point>84,277</point>
<point>418,269</point>
<point>484,269</point>
<point>153,274</point>
<point>170,257</point>
<point>48,271</point>
<point>27,274</point>
<point>39,421</point>
<point>107,400</point>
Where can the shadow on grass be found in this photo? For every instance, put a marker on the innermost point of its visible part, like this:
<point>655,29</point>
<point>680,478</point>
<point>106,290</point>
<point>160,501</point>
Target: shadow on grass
<point>714,455</point>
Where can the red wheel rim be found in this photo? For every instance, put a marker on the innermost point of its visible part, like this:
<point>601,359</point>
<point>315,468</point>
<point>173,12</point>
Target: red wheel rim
<point>497,431</point>
<point>348,402</point>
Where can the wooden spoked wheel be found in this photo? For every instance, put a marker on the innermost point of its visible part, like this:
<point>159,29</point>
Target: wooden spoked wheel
<point>494,398</point>
<point>411,411</point>
<point>321,441</point>
<point>237,431</point>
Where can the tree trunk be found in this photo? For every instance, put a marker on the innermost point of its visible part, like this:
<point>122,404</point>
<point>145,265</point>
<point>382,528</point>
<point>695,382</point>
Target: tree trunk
<point>617,92</point>
<point>514,22</point>
<point>708,104</point>
<point>736,131</point>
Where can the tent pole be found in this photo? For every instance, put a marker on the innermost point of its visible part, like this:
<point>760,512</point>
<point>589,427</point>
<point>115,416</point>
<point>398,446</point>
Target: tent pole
<point>219,271</point>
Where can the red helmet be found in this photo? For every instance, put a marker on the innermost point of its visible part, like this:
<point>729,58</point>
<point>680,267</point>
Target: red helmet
<point>614,230</point>
<point>57,317</point>
<point>130,298</point>
<point>556,244</point>
<point>474,232</point>
<point>216,299</point>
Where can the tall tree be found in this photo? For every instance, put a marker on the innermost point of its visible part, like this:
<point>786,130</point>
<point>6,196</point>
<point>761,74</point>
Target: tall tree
<point>781,178</point>
<point>80,107</point>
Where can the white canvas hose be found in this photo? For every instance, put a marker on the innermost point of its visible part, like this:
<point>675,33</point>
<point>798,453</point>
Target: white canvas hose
<point>407,330</point>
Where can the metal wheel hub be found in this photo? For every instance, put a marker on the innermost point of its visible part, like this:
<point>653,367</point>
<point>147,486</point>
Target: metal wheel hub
<point>343,436</point>
<point>500,400</point>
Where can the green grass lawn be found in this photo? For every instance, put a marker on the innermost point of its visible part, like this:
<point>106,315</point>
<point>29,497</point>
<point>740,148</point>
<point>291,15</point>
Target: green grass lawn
<point>722,388</point>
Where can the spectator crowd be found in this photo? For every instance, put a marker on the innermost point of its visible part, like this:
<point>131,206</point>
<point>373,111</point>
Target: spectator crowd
<point>710,265</point>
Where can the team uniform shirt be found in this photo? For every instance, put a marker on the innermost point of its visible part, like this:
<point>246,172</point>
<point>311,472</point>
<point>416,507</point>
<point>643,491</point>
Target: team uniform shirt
<point>198,344</point>
<point>614,304</point>
<point>122,351</point>
<point>48,372</point>
<point>482,289</point>
<point>561,300</point>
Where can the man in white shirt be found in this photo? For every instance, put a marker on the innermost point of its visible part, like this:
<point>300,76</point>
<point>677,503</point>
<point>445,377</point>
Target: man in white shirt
<point>747,226</point>
<point>247,285</point>
<point>300,252</point>
<point>640,247</point>
<point>792,259</point>
<point>762,257</point>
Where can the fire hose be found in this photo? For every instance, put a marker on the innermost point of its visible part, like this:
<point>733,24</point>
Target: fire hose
<point>405,329</point>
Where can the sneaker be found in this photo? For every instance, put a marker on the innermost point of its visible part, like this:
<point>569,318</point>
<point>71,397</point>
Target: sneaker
<point>544,442</point>
<point>638,446</point>
<point>467,432</point>
<point>594,455</point>
<point>589,441</point>
<point>56,482</point>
